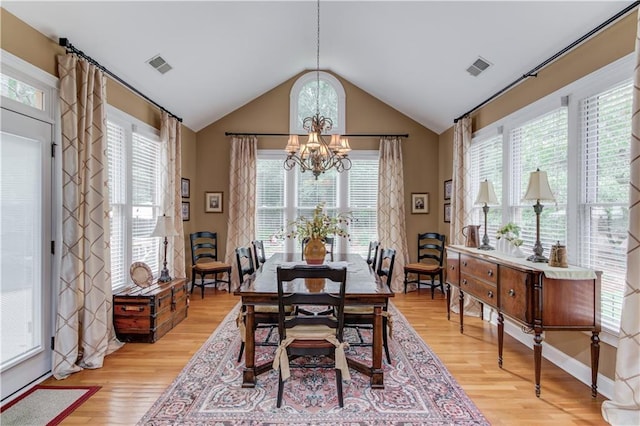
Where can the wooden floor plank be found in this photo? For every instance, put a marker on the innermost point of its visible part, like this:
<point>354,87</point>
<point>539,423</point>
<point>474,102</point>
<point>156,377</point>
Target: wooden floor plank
<point>136,375</point>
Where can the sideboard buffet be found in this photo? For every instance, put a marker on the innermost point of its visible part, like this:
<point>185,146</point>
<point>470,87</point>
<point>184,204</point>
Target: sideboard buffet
<point>535,295</point>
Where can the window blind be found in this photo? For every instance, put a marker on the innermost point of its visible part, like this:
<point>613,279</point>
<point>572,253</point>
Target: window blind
<point>270,203</point>
<point>363,204</point>
<point>540,143</point>
<point>486,163</point>
<point>605,123</point>
<point>116,153</point>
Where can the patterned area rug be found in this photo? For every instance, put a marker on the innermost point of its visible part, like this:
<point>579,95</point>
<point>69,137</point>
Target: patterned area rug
<point>45,405</point>
<point>418,388</point>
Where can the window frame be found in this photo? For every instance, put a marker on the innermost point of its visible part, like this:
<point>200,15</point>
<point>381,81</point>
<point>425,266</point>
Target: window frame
<point>131,126</point>
<point>295,125</point>
<point>592,84</point>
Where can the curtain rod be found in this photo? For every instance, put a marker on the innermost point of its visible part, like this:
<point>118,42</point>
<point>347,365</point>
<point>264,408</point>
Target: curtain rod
<point>534,71</point>
<point>64,42</point>
<point>353,135</point>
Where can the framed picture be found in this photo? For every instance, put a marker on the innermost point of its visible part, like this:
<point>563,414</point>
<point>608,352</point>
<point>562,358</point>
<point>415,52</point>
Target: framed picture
<point>420,202</point>
<point>448,189</point>
<point>186,211</point>
<point>447,213</point>
<point>185,187</point>
<point>213,202</point>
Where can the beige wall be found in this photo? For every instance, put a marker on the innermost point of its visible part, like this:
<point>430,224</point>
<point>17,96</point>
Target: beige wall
<point>23,41</point>
<point>365,115</point>
<point>615,42</point>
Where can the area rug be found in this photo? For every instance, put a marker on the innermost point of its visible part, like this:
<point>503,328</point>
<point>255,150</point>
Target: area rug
<point>45,405</point>
<point>418,388</point>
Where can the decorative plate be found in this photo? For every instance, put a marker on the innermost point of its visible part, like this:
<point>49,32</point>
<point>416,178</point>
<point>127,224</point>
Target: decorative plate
<point>141,274</point>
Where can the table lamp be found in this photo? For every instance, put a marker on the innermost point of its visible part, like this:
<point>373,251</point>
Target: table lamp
<point>538,189</point>
<point>164,228</point>
<point>486,195</point>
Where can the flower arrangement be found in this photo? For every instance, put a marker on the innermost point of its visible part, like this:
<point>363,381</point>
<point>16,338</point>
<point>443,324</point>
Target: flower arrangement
<point>511,233</point>
<point>319,225</point>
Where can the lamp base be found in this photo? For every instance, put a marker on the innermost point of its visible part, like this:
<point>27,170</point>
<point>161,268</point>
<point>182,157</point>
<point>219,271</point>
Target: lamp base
<point>486,247</point>
<point>164,276</point>
<point>537,258</point>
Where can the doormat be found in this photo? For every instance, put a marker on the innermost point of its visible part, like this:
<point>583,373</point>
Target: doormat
<point>45,405</point>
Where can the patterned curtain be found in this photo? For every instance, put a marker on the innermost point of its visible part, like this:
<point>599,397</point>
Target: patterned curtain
<point>170,134</point>
<point>624,409</point>
<point>84,321</point>
<point>242,197</point>
<point>391,215</point>
<point>461,201</point>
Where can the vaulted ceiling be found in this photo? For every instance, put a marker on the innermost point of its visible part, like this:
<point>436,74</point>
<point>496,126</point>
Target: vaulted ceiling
<point>411,55</point>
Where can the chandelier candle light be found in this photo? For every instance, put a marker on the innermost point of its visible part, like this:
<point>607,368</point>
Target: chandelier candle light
<point>317,155</point>
<point>486,195</point>
<point>538,189</point>
<point>164,228</point>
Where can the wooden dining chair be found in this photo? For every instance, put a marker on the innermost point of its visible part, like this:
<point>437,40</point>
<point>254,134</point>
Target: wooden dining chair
<point>362,317</point>
<point>204,261</point>
<point>372,254</point>
<point>311,335</point>
<point>265,316</point>
<point>430,260</point>
<point>258,252</point>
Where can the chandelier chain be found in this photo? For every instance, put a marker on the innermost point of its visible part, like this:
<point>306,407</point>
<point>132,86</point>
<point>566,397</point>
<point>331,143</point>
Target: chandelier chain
<point>318,59</point>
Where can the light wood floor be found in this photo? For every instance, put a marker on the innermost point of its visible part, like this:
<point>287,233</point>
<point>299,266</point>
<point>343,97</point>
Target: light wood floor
<point>136,375</point>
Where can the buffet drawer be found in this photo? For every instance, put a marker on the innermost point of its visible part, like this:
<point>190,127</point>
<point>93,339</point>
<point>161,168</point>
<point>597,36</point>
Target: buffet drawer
<point>484,270</point>
<point>484,291</point>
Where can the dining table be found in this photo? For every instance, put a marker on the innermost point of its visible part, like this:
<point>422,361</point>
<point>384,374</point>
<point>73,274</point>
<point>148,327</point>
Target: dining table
<point>363,287</point>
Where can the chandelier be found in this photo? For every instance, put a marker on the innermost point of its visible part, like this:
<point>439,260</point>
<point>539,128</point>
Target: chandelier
<point>317,155</point>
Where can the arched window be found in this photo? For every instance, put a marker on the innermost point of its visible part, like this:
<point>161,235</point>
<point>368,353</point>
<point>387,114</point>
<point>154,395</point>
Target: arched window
<point>302,101</point>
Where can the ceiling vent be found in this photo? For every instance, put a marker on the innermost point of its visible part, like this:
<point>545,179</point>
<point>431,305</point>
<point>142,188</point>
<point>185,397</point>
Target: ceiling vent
<point>478,66</point>
<point>159,64</point>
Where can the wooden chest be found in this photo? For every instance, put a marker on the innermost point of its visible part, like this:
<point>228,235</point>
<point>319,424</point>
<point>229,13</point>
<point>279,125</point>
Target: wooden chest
<point>146,314</point>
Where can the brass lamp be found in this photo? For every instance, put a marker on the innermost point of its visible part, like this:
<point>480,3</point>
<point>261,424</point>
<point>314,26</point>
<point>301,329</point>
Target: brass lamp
<point>486,195</point>
<point>538,189</point>
<point>164,228</point>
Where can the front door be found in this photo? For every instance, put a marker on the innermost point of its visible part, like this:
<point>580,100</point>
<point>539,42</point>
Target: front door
<point>25,239</point>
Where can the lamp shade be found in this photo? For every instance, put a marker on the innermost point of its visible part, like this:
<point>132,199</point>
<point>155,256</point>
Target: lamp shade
<point>538,188</point>
<point>164,227</point>
<point>293,145</point>
<point>486,194</point>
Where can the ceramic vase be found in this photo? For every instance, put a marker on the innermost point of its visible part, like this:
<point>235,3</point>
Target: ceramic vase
<point>315,252</point>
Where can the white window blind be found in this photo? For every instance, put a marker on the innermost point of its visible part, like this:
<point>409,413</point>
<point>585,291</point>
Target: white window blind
<point>116,152</point>
<point>605,122</point>
<point>270,203</point>
<point>486,163</point>
<point>135,195</point>
<point>363,204</point>
<point>540,143</point>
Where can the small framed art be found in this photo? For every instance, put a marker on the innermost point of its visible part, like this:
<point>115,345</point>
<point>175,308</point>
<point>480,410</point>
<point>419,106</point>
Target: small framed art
<point>213,202</point>
<point>448,189</point>
<point>186,211</point>
<point>185,187</point>
<point>420,202</point>
<point>447,213</point>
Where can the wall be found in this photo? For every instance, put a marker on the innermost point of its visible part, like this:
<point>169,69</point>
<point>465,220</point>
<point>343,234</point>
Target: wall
<point>613,43</point>
<point>269,113</point>
<point>19,39</point>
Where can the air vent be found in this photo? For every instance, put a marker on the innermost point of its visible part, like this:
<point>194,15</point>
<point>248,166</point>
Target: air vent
<point>159,64</point>
<point>478,66</point>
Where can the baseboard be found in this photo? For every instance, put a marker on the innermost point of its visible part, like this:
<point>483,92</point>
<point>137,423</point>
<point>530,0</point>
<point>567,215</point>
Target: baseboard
<point>575,368</point>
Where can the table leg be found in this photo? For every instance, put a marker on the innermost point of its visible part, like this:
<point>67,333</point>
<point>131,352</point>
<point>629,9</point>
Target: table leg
<point>595,360</point>
<point>377,378</point>
<point>249,373</point>
<point>448,301</point>
<point>500,338</point>
<point>537,357</point>
<point>461,302</point>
